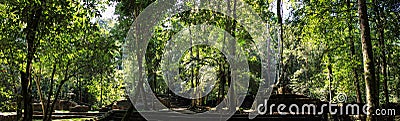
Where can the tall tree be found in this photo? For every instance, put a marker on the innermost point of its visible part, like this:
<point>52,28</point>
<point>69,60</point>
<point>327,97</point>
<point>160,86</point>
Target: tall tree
<point>353,51</point>
<point>380,23</point>
<point>281,82</point>
<point>368,59</point>
<point>32,43</point>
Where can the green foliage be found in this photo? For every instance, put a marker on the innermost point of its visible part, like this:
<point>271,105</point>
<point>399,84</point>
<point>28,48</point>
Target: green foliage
<point>68,40</point>
<point>77,51</point>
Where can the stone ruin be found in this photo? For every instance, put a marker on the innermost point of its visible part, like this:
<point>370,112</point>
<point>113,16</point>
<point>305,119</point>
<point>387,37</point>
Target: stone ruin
<point>63,105</point>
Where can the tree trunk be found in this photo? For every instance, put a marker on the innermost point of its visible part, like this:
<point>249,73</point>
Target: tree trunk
<point>380,21</point>
<point>101,89</point>
<point>55,99</point>
<point>353,53</point>
<point>231,28</point>
<point>26,94</point>
<point>281,79</point>
<point>233,50</point>
<point>192,78</point>
<point>66,78</point>
<point>141,81</point>
<point>197,76</point>
<point>330,77</point>
<point>46,110</point>
<point>37,81</point>
<point>369,70</point>
<point>31,29</point>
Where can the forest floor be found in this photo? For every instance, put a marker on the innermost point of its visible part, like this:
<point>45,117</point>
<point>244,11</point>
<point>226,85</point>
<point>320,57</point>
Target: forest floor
<point>73,119</point>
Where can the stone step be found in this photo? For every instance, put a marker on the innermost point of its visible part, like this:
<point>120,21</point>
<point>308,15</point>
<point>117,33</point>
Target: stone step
<point>63,116</point>
<point>73,113</point>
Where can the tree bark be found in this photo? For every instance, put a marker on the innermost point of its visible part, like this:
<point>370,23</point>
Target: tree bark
<point>369,70</point>
<point>197,75</point>
<point>55,100</point>
<point>330,77</point>
<point>101,89</point>
<point>192,78</point>
<point>66,78</point>
<point>231,28</point>
<point>353,53</point>
<point>37,81</point>
<point>26,79</point>
<point>46,110</point>
<point>281,82</point>
<point>380,21</point>
<point>140,61</point>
